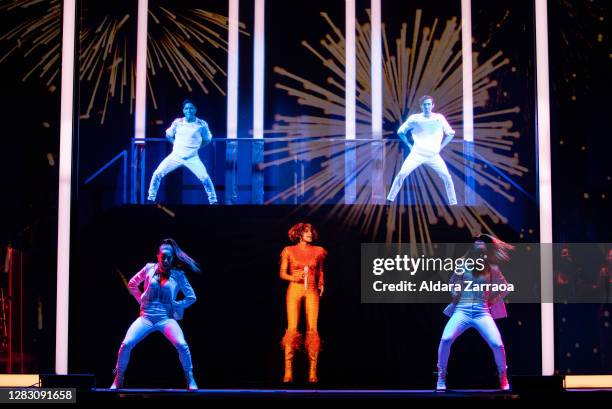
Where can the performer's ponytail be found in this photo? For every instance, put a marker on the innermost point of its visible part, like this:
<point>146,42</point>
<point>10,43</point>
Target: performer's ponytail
<point>182,259</point>
<point>500,251</point>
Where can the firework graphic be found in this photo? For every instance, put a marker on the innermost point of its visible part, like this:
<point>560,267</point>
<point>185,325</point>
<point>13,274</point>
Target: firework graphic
<point>427,62</point>
<point>183,44</point>
<point>35,35</point>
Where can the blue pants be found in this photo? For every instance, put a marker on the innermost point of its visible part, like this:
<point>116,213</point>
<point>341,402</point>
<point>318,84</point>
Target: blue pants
<point>143,327</point>
<point>471,315</point>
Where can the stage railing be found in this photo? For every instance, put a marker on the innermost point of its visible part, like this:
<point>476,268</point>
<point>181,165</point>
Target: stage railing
<point>121,155</point>
<point>222,158</point>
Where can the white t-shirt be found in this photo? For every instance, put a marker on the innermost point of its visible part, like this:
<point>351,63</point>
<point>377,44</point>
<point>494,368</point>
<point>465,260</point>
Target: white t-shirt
<point>427,132</point>
<point>188,136</point>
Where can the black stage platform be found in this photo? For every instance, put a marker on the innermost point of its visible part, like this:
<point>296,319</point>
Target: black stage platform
<point>106,395</point>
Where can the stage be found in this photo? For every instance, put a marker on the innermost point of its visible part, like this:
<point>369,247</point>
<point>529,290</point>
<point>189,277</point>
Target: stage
<point>412,395</point>
<point>305,155</point>
<point>365,346</point>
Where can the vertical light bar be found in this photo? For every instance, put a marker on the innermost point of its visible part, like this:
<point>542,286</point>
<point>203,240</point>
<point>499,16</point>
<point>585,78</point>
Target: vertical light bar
<point>350,70</point>
<point>350,77</point>
<point>258,69</point>
<point>257,149</point>
<point>141,72</point>
<point>376,67</point>
<point>545,186</point>
<point>232,71</point>
<point>468,102</point>
<point>231,144</point>
<point>466,54</point>
<point>377,102</point>
<point>65,179</point>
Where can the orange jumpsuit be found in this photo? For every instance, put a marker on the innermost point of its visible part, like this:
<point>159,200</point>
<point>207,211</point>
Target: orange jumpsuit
<point>302,266</point>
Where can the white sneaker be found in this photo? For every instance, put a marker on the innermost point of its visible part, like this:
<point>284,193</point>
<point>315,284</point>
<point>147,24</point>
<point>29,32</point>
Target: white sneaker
<point>441,384</point>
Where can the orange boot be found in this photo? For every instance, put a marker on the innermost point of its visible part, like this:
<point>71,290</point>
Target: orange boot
<point>313,346</point>
<point>290,343</point>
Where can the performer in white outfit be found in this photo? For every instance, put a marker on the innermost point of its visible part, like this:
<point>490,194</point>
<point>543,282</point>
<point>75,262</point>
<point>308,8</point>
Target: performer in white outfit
<point>186,134</point>
<point>428,129</point>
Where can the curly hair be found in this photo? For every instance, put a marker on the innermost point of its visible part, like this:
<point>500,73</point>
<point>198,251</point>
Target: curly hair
<point>295,232</point>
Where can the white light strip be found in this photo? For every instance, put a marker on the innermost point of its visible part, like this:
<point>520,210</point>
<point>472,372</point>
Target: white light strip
<point>545,188</point>
<point>378,185</point>
<point>350,70</point>
<point>232,71</point>
<point>141,72</point>
<point>350,75</point>
<point>259,48</point>
<point>588,381</point>
<point>466,54</point>
<point>18,380</point>
<point>65,178</point>
<point>377,79</point>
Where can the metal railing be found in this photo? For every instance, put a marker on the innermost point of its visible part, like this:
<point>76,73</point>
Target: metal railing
<point>226,150</point>
<point>121,155</point>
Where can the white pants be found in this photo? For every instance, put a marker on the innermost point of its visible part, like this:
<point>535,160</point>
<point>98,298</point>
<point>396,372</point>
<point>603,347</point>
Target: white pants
<point>471,315</point>
<point>193,163</point>
<point>415,160</point>
<point>143,327</point>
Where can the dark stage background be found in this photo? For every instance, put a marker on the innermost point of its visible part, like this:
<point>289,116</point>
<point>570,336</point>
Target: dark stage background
<point>235,327</point>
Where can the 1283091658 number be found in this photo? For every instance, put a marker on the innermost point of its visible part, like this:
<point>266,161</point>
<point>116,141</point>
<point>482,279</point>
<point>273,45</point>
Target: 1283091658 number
<point>67,395</point>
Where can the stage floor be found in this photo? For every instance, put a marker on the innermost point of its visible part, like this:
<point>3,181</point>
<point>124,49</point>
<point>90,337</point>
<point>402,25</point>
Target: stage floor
<point>395,394</point>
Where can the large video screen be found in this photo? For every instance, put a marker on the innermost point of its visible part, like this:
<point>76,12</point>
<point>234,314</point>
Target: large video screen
<point>210,138</point>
